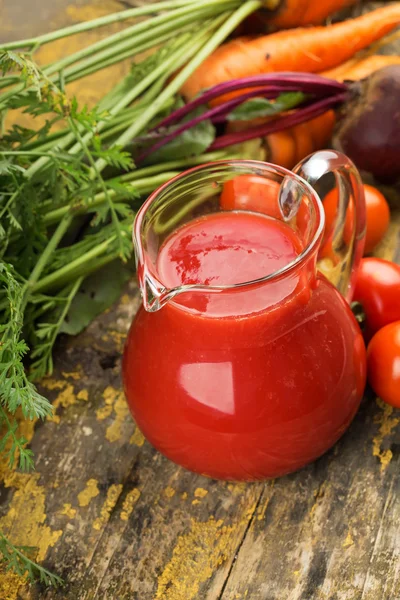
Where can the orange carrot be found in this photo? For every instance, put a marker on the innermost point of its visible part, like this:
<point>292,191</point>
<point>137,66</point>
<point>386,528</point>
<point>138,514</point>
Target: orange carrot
<point>281,148</point>
<point>298,13</point>
<point>321,130</point>
<point>356,69</point>
<point>303,139</point>
<point>306,138</point>
<point>302,49</point>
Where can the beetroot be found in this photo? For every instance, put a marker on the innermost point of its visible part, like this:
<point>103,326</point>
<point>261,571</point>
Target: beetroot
<point>369,124</point>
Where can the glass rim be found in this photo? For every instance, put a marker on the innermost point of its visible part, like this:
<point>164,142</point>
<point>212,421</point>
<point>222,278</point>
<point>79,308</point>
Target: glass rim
<point>254,164</point>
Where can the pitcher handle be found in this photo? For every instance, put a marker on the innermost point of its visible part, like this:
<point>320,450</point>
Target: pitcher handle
<point>340,255</point>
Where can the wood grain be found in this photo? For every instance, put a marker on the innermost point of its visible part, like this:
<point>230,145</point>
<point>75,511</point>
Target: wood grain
<point>119,521</point>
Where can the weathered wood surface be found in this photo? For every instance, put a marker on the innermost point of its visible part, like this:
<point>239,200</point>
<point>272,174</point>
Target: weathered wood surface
<point>119,521</point>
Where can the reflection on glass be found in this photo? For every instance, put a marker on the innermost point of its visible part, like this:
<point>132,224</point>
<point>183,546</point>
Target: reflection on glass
<point>210,384</point>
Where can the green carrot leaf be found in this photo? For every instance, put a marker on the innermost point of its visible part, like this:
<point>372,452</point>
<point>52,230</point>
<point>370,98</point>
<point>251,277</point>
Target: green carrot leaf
<point>17,559</point>
<point>15,389</point>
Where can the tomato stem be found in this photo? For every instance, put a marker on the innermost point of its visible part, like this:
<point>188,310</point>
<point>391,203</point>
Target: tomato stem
<point>359,313</point>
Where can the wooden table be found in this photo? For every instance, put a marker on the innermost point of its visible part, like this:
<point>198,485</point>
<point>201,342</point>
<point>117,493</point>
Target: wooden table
<point>118,521</point>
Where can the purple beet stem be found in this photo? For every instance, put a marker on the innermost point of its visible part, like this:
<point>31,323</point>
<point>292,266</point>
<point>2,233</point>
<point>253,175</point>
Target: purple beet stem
<point>301,82</point>
<point>280,123</point>
<point>220,111</point>
<point>267,86</point>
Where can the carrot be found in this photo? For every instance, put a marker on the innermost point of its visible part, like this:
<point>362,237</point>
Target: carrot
<point>356,69</point>
<point>302,49</point>
<point>307,138</point>
<point>281,148</point>
<point>321,130</point>
<point>303,140</point>
<point>298,13</point>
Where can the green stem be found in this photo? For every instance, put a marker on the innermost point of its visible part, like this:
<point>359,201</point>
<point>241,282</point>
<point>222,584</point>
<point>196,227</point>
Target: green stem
<point>25,153</point>
<point>174,61</point>
<point>51,141</point>
<point>10,201</point>
<point>144,181</point>
<point>127,99</point>
<point>92,162</point>
<point>61,319</point>
<point>117,17</point>
<point>94,65</point>
<point>175,164</point>
<point>124,119</point>
<point>63,275</point>
<point>139,32</point>
<point>46,254</point>
<point>142,186</point>
<point>217,38</point>
<point>115,43</point>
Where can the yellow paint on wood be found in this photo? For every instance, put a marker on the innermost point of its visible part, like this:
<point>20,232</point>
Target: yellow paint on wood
<point>76,375</point>
<point>200,493</point>
<point>10,584</point>
<point>237,488</point>
<point>53,384</point>
<point>66,398</point>
<point>196,556</point>
<point>119,339</point>
<point>91,491</point>
<point>110,395</point>
<point>89,12</point>
<point>262,509</point>
<point>83,395</point>
<point>169,492</point>
<point>387,424</point>
<point>114,431</point>
<point>113,493</point>
<point>103,412</point>
<point>348,541</point>
<point>68,511</point>
<point>25,519</point>
<point>114,400</point>
<point>127,507</point>
<point>26,427</point>
<point>137,438</point>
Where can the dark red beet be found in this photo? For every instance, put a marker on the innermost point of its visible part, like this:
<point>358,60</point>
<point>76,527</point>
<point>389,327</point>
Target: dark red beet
<point>369,125</point>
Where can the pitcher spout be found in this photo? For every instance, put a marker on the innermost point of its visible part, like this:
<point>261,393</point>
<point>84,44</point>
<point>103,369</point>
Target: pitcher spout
<point>154,295</point>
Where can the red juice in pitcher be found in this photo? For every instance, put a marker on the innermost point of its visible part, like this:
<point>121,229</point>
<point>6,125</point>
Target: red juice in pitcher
<point>245,382</point>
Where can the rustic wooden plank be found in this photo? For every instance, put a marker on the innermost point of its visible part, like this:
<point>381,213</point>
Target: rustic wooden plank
<point>119,521</point>
<point>320,527</point>
<point>311,533</point>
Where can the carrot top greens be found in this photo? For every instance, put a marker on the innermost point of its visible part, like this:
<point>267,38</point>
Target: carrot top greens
<point>69,190</point>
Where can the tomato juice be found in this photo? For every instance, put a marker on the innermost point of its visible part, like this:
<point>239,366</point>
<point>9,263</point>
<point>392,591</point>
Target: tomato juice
<point>252,381</point>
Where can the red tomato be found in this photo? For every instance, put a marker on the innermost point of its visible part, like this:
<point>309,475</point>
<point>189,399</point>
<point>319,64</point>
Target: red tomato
<point>378,216</point>
<point>384,364</point>
<point>378,290</point>
<point>251,192</point>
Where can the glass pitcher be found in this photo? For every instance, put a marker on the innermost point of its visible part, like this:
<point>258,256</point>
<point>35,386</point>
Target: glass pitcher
<point>257,378</point>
